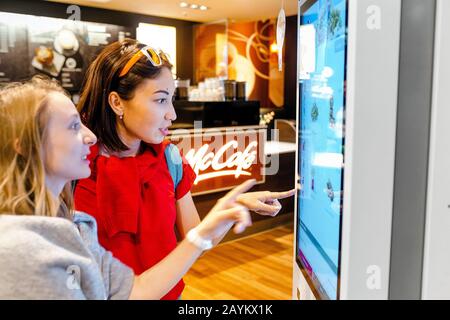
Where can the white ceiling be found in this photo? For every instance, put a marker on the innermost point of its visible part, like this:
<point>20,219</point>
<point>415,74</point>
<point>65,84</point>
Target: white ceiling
<point>234,10</point>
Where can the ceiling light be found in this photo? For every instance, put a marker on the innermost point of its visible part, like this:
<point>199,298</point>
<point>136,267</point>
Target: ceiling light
<point>203,8</point>
<point>183,4</point>
<point>194,6</point>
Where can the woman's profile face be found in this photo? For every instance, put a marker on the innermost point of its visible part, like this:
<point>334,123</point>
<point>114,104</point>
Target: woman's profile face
<point>149,114</point>
<point>67,141</point>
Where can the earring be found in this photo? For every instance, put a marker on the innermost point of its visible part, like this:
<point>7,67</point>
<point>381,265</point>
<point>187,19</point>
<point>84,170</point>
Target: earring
<point>121,117</point>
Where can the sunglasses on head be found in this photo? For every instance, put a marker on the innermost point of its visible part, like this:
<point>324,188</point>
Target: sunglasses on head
<point>156,59</point>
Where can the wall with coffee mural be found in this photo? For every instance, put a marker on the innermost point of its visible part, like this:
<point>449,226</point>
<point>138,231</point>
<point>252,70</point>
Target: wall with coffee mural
<point>243,52</point>
<point>16,53</point>
<point>59,48</point>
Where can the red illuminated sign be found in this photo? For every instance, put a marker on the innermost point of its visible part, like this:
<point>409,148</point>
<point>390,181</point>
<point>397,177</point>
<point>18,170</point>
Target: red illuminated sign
<point>223,158</point>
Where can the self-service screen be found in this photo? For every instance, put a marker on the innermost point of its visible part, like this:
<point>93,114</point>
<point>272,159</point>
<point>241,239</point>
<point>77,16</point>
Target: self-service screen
<point>323,46</point>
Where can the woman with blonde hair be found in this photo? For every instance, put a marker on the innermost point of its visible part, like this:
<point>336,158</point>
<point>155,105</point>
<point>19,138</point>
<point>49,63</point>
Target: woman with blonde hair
<point>50,251</point>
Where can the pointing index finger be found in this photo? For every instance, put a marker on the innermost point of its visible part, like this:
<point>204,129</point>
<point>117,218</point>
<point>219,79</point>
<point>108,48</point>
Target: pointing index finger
<point>243,187</point>
<point>282,195</point>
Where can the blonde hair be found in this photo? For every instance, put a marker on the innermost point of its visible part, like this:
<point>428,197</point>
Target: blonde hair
<point>23,119</point>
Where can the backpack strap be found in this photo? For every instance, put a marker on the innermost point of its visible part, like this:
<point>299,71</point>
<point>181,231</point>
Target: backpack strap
<point>174,163</point>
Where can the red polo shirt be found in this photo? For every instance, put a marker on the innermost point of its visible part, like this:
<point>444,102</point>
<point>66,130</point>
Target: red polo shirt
<point>133,201</point>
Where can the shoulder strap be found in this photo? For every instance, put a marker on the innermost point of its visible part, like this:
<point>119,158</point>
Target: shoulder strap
<point>174,163</point>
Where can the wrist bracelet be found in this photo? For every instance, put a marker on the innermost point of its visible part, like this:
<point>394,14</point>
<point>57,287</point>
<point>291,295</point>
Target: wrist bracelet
<point>193,237</point>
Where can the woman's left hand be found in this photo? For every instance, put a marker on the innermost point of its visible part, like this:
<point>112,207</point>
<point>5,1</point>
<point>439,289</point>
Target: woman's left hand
<point>264,202</point>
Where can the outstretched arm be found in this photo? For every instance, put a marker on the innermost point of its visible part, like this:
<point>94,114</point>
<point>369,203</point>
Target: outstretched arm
<point>158,280</point>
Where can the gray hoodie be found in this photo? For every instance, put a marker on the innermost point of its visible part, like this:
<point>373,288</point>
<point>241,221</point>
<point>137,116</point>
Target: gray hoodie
<point>54,258</point>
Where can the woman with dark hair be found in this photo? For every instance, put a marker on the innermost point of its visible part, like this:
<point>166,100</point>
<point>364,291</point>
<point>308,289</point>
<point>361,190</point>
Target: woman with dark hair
<point>126,101</point>
<point>50,251</point>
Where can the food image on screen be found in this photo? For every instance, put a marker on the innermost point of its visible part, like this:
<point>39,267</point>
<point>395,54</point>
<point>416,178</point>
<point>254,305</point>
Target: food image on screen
<point>323,43</point>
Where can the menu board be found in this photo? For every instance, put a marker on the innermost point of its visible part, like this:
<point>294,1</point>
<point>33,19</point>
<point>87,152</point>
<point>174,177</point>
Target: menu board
<point>322,39</point>
<point>59,48</point>
<point>14,61</point>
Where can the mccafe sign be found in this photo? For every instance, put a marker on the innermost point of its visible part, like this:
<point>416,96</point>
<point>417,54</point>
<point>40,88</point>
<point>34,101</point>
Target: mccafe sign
<point>222,158</point>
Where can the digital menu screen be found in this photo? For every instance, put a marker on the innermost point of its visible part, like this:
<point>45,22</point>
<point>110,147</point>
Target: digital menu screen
<point>322,76</point>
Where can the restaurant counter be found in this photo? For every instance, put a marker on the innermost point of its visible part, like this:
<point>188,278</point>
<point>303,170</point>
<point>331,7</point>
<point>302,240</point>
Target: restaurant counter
<point>221,159</point>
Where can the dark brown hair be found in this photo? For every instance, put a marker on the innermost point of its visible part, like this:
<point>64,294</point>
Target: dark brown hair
<point>102,78</point>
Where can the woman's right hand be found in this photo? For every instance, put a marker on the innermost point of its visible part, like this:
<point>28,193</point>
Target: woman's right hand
<point>225,213</point>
